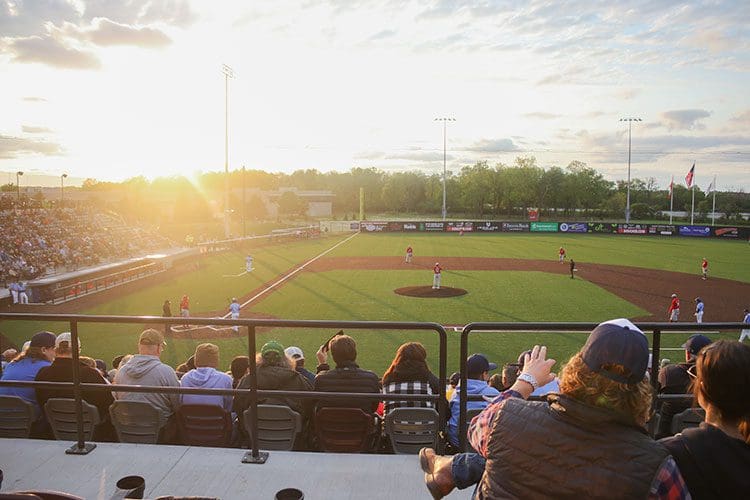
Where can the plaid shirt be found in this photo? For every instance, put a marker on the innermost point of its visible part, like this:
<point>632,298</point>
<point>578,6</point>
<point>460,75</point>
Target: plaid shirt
<point>667,484</point>
<point>411,387</point>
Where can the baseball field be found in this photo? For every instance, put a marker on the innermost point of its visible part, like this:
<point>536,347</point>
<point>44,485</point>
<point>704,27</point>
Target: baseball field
<point>506,277</point>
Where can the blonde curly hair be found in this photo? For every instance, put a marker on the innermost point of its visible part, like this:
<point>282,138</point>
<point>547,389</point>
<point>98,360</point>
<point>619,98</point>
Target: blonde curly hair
<point>579,382</point>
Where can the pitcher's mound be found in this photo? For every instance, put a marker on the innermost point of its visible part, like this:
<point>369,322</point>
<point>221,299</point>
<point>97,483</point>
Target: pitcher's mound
<point>429,292</point>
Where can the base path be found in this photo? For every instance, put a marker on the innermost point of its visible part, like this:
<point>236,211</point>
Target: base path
<point>649,289</point>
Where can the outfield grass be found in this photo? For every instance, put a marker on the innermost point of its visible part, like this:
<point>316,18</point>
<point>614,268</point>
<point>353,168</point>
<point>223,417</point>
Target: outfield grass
<point>367,295</point>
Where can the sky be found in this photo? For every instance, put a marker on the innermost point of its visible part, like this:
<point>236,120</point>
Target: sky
<point>112,89</point>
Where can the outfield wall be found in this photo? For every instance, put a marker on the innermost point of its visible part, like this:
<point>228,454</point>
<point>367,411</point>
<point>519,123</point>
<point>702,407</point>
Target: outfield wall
<point>694,231</point>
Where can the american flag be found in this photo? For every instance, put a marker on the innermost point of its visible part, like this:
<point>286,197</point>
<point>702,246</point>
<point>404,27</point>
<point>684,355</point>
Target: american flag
<point>689,176</point>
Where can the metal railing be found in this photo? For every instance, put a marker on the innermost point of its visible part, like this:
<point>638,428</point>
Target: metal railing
<point>533,328</point>
<point>255,455</point>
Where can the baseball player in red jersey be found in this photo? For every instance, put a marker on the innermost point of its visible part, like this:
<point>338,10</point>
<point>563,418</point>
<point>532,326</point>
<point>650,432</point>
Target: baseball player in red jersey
<point>674,309</point>
<point>704,268</point>
<point>409,254</point>
<point>436,276</point>
<point>561,254</point>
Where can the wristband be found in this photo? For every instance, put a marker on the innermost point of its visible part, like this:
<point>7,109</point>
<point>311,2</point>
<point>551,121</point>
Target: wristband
<point>529,379</point>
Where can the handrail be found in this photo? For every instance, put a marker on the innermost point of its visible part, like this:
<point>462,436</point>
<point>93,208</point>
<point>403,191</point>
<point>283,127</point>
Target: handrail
<point>656,328</point>
<point>255,456</point>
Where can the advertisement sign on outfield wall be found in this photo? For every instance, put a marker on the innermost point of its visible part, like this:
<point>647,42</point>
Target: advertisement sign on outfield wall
<point>411,226</point>
<point>662,229</point>
<point>602,227</point>
<point>487,226</point>
<point>695,231</point>
<point>574,227</point>
<point>727,232</point>
<point>515,227</point>
<point>632,228</point>
<point>544,227</point>
<point>373,227</point>
<point>459,226</point>
<point>434,226</point>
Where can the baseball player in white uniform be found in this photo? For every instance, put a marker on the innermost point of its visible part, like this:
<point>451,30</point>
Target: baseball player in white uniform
<point>746,332</point>
<point>698,310</point>
<point>249,263</point>
<point>234,309</point>
<point>436,276</point>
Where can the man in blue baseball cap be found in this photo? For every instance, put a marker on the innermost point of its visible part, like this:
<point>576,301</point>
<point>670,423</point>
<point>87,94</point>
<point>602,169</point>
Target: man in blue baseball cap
<point>478,370</point>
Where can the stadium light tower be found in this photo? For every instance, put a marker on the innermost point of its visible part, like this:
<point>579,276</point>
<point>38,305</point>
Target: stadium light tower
<point>228,73</point>
<point>445,157</point>
<point>18,185</point>
<point>62,189</point>
<point>627,203</point>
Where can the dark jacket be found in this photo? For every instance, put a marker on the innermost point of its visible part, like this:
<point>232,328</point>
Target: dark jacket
<point>673,379</point>
<point>713,464</point>
<point>347,377</point>
<point>567,449</point>
<point>274,378</point>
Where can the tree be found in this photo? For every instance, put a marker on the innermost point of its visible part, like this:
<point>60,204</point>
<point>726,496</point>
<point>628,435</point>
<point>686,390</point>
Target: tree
<point>8,188</point>
<point>291,204</point>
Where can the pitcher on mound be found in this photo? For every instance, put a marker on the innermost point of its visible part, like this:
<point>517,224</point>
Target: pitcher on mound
<point>436,276</point>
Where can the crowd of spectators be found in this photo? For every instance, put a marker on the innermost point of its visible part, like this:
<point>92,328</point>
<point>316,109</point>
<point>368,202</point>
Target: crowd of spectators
<point>584,432</point>
<point>39,241</point>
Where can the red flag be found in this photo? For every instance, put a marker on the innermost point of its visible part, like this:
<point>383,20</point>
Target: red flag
<point>689,176</point>
<point>671,189</point>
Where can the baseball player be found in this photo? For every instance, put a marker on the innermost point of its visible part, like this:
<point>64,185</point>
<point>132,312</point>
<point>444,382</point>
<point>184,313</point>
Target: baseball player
<point>674,309</point>
<point>436,270</point>
<point>234,308</point>
<point>185,307</point>
<point>561,255</point>
<point>409,254</point>
<point>13,287</point>
<point>698,310</point>
<point>704,268</point>
<point>249,263</point>
<point>745,334</point>
<point>23,297</point>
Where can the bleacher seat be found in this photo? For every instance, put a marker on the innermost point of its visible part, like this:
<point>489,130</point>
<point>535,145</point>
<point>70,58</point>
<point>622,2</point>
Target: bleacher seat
<point>692,417</point>
<point>344,429</point>
<point>135,421</point>
<point>204,425</point>
<point>411,429</point>
<point>61,415</point>
<point>16,417</point>
<point>278,426</point>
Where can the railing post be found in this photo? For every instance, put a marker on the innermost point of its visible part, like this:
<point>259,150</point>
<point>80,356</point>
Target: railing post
<point>81,447</point>
<point>655,362</point>
<point>463,394</point>
<point>442,405</point>
<point>254,456</point>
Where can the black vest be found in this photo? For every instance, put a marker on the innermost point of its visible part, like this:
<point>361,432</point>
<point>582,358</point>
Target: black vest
<point>567,449</point>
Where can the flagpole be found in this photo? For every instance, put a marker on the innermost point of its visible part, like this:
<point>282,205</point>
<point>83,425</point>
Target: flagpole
<point>692,206</point>
<point>671,198</point>
<point>713,209</point>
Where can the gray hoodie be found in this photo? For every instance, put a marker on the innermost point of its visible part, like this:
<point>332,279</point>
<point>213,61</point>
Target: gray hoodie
<point>145,369</point>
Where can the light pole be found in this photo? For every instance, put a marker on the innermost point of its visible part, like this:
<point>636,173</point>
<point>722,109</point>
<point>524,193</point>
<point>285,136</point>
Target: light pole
<point>18,185</point>
<point>445,157</point>
<point>228,73</point>
<point>627,203</point>
<point>62,190</point>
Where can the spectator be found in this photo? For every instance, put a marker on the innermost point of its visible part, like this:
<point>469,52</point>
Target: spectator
<point>510,374</point>
<point>587,442</point>
<point>145,368</point>
<point>206,376</point>
<point>185,367</point>
<point>8,356</point>
<point>298,359</point>
<point>102,367</point>
<point>61,370</point>
<point>346,377</point>
<point>26,365</point>
<point>166,309</point>
<point>551,387</point>
<point>715,457</point>
<point>478,370</point>
<point>450,387</point>
<point>675,379</point>
<point>238,369</point>
<point>409,374</point>
<point>274,372</point>
<point>496,381</point>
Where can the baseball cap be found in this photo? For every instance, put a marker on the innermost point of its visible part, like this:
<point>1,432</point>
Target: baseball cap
<point>695,343</point>
<point>272,346</point>
<point>674,295</point>
<point>151,337</point>
<point>65,337</point>
<point>26,345</point>
<point>478,363</point>
<point>43,339</point>
<point>617,342</point>
<point>294,352</point>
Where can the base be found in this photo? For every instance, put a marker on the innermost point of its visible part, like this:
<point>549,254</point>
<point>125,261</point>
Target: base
<point>248,458</point>
<point>75,450</point>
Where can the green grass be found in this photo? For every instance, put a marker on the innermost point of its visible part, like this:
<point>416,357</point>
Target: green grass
<point>367,295</point>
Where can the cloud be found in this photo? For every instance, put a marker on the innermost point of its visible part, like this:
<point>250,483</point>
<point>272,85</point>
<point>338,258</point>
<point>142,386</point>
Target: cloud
<point>15,147</point>
<point>422,156</point>
<point>493,146</point>
<point>742,119</point>
<point>141,12</point>
<point>382,35</point>
<point>50,51</point>
<point>30,129</point>
<point>542,115</point>
<point>104,32</point>
<point>685,119</point>
<point>369,155</point>
<point>627,94</point>
<point>28,18</point>
<point>34,99</point>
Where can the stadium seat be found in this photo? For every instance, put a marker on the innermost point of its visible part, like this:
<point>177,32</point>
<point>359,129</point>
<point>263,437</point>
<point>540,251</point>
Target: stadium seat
<point>135,421</point>
<point>204,425</point>
<point>278,426</point>
<point>692,417</point>
<point>411,429</point>
<point>344,429</point>
<point>16,417</point>
<point>61,414</point>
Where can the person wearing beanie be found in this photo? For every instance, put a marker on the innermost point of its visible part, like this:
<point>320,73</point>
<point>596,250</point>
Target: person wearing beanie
<point>26,366</point>
<point>206,376</point>
<point>275,372</point>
